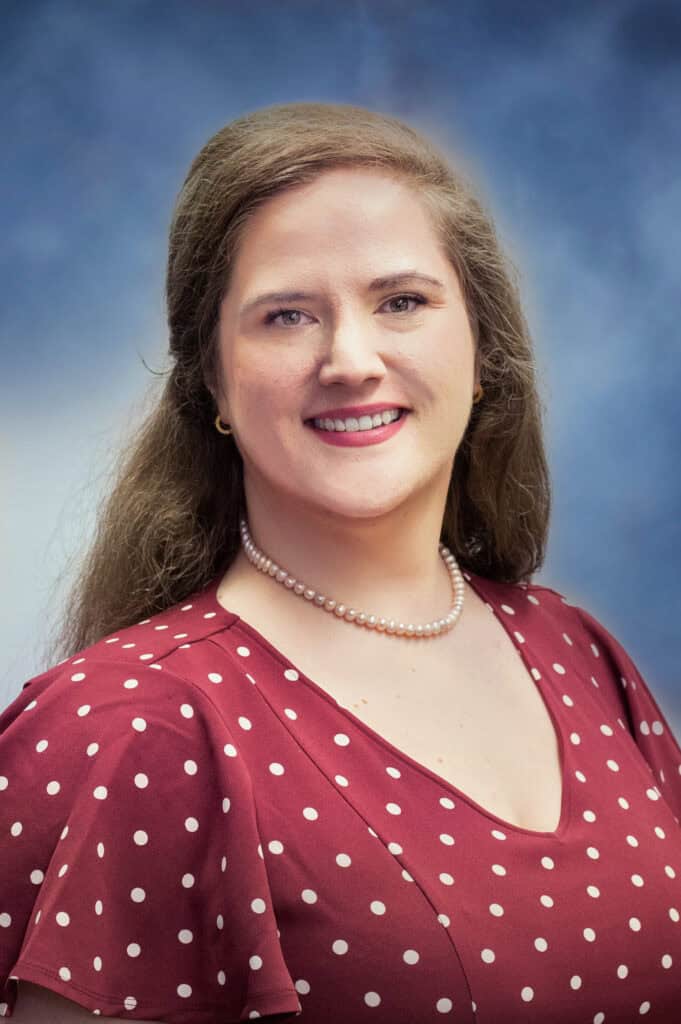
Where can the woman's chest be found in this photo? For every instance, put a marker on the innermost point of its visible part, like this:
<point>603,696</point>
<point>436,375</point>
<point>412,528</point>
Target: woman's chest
<point>477,721</point>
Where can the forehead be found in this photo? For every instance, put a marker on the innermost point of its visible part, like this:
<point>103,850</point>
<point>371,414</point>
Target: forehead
<point>344,215</point>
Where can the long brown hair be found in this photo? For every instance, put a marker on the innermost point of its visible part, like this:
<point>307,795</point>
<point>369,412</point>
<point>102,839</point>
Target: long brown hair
<point>170,522</point>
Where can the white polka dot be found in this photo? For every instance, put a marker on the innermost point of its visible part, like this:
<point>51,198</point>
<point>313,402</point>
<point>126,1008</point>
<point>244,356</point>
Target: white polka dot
<point>612,765</point>
<point>214,677</point>
<point>187,881</point>
<point>140,837</point>
<point>53,787</point>
<point>77,677</point>
<point>97,963</point>
<point>444,1005</point>
<point>575,982</point>
<point>444,920</point>
<point>580,776</point>
<point>448,804</point>
<point>447,839</point>
<point>37,876</point>
<point>275,846</point>
<point>276,768</point>
<point>377,907</point>
<point>134,949</point>
<point>546,901</point>
<point>339,946</point>
<point>63,919</point>
<point>666,960</point>
<point>84,710</point>
<point>498,869</point>
<point>258,906</point>
<point>674,914</point>
<point>342,781</point>
<point>591,851</point>
<point>191,825</point>
<point>229,749</point>
<point>40,746</point>
<point>185,935</point>
<point>547,862</point>
<point>507,608</point>
<point>99,908</point>
<point>622,971</point>
<point>632,840</point>
<point>92,749</point>
<point>659,832</point>
<point>669,871</point>
<point>410,956</point>
<point>220,922</point>
<point>138,895</point>
<point>606,730</point>
<point>186,710</point>
<point>139,724</point>
<point>644,1007</point>
<point>291,674</point>
<point>393,808</point>
<point>589,934</point>
<point>657,728</point>
<point>637,880</point>
<point>141,780</point>
<point>446,878</point>
<point>575,738</point>
<point>341,740</point>
<point>184,990</point>
<point>623,802</point>
<point>589,816</point>
<point>100,792</point>
<point>310,813</point>
<point>498,834</point>
<point>343,861</point>
<point>634,924</point>
<point>541,944</point>
<point>496,910</point>
<point>245,723</point>
<point>593,890</point>
<point>527,994</point>
<point>16,828</point>
<point>372,998</point>
<point>487,956</point>
<point>599,1018</point>
<point>309,896</point>
<point>130,1002</point>
<point>64,974</point>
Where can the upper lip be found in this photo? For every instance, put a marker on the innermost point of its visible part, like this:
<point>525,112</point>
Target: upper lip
<point>356,410</point>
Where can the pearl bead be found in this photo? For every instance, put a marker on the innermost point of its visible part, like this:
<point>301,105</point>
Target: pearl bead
<point>308,593</point>
<point>330,604</point>
<point>319,599</point>
<point>299,588</point>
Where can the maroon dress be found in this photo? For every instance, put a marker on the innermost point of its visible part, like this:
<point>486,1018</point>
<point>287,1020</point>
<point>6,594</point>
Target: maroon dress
<point>193,831</point>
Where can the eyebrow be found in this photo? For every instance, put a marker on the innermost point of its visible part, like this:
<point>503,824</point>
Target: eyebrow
<point>378,284</point>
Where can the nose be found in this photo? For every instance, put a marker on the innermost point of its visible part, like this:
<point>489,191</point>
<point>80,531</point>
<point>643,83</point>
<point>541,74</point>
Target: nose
<point>350,355</point>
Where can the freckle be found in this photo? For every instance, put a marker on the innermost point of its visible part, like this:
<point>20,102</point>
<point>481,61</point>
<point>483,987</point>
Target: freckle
<point>439,760</point>
<point>364,700</point>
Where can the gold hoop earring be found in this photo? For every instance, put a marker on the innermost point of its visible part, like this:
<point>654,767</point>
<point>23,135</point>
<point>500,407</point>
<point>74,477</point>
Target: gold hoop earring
<point>478,395</point>
<point>218,426</point>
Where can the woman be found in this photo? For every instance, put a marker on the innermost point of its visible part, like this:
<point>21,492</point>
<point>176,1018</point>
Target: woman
<point>385,778</point>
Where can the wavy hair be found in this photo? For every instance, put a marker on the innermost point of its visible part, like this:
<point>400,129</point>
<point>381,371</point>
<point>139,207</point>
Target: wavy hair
<point>169,523</point>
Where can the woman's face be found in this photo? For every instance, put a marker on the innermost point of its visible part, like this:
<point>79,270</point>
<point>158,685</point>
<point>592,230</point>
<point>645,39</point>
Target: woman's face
<point>343,340</point>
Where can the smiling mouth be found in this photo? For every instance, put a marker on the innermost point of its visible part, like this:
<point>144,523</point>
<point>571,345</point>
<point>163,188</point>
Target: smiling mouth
<point>353,424</point>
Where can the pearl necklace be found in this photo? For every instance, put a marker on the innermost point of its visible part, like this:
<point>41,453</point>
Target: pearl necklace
<point>391,626</point>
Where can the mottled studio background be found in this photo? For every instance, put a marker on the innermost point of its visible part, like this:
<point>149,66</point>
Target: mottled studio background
<point>567,113</point>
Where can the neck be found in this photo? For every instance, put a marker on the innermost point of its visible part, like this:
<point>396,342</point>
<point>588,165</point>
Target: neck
<point>386,565</point>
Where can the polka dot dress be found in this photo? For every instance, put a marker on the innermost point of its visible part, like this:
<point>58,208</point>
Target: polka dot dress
<point>191,830</point>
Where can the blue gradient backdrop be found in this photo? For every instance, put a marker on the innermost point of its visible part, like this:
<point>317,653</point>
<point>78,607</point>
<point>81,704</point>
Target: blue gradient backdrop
<point>567,115</point>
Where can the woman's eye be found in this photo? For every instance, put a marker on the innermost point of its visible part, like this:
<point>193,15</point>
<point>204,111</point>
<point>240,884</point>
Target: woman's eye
<point>418,299</point>
<point>271,317</point>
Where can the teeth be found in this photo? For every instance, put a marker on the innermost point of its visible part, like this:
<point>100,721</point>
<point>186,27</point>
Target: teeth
<point>363,423</point>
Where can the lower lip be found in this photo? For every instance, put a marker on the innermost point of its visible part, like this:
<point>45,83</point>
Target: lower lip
<point>359,438</point>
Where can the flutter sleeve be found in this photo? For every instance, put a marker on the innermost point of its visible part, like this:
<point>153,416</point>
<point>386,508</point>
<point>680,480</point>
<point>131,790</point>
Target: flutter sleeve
<point>132,878</point>
<point>622,685</point>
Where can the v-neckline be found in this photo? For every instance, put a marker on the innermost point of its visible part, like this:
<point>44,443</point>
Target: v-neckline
<point>478,585</point>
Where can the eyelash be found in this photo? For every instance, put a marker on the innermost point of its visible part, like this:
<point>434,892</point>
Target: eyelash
<point>419,299</point>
